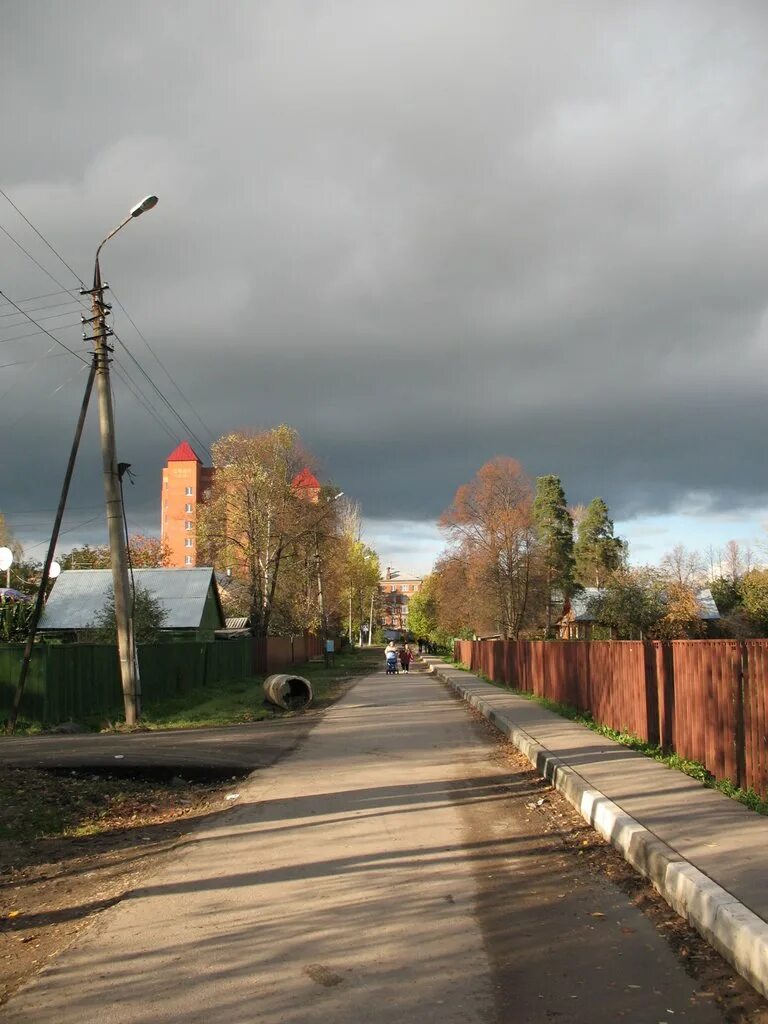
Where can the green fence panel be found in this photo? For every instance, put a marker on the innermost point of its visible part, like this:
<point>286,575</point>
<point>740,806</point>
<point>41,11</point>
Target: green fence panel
<point>76,681</point>
<point>168,670</point>
<point>33,701</point>
<point>229,659</point>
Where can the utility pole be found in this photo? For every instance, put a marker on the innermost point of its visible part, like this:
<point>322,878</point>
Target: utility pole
<point>126,644</point>
<point>40,600</point>
<point>370,621</point>
<point>321,600</point>
<point>114,505</point>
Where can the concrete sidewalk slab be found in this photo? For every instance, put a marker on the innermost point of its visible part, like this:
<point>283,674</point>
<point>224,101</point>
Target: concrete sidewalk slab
<point>705,853</point>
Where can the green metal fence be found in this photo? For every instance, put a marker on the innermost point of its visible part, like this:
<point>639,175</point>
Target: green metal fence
<point>71,681</point>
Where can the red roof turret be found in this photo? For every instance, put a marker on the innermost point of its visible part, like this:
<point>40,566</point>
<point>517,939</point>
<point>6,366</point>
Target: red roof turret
<point>306,480</point>
<point>184,453</point>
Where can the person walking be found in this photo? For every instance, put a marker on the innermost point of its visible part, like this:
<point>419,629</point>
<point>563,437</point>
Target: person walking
<point>390,653</point>
<point>405,657</point>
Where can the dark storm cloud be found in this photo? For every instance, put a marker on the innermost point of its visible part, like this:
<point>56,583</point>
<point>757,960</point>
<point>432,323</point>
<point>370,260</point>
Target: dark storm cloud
<point>423,233</point>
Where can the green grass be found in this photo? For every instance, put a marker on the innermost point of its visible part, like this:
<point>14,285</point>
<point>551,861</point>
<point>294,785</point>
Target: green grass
<point>232,701</point>
<point>236,701</point>
<point>695,769</point>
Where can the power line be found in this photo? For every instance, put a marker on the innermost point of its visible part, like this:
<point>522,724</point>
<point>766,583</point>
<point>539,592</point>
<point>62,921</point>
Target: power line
<point>77,526</point>
<point>123,376</point>
<point>43,329</point>
<point>160,394</point>
<point>42,237</point>
<point>31,257</point>
<point>49,305</point>
<point>51,355</point>
<point>34,334</point>
<point>162,365</point>
<point>47,295</point>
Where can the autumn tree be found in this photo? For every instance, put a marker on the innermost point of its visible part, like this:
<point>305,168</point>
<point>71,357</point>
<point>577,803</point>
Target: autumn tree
<point>146,553</point>
<point>597,551</point>
<point>258,524</point>
<point>424,613</point>
<point>684,567</point>
<point>490,525</point>
<point>554,531</point>
<point>362,573</point>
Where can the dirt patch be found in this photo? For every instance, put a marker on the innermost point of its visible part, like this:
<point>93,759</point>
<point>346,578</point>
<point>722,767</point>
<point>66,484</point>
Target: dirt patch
<point>72,844</point>
<point>716,980</point>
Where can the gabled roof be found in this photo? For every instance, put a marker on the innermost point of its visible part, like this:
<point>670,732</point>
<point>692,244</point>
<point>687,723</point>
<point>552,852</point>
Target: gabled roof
<point>306,479</point>
<point>79,595</point>
<point>184,453</point>
<point>580,605</point>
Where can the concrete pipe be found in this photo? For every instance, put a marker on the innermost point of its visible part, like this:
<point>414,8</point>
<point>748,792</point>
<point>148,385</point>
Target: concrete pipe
<point>287,691</point>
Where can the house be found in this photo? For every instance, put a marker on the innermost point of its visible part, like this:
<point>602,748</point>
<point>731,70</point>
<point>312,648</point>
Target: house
<point>190,598</point>
<point>576,621</point>
<point>396,589</point>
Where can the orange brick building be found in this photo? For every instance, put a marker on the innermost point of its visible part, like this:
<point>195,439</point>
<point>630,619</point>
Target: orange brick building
<point>185,480</point>
<point>396,589</point>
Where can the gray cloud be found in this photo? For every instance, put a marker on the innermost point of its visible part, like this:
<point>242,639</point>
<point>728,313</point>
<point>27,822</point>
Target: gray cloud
<point>423,233</point>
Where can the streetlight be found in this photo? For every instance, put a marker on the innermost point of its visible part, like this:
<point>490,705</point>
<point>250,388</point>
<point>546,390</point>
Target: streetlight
<point>318,568</point>
<point>126,644</point>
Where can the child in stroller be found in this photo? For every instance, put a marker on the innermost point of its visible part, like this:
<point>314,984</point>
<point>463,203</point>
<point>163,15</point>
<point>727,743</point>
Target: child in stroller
<point>391,655</point>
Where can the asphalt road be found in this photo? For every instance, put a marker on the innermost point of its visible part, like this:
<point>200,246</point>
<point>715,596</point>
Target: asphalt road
<point>236,748</point>
<point>388,870</point>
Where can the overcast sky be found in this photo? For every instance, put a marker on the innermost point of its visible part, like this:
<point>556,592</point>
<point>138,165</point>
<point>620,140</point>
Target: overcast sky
<point>423,233</point>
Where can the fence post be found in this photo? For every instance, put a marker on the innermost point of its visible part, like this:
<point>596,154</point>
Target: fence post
<point>738,713</point>
<point>665,690</point>
<point>652,702</point>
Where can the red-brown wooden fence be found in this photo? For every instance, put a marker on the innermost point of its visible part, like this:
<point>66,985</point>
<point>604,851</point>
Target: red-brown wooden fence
<point>704,699</point>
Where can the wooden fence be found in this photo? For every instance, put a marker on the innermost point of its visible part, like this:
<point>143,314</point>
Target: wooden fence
<point>72,681</point>
<point>704,699</point>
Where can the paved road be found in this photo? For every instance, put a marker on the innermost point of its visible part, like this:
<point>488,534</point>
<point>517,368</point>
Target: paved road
<point>183,751</point>
<point>385,871</point>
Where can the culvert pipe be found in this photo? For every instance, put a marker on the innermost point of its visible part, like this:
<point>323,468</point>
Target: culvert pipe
<point>287,691</point>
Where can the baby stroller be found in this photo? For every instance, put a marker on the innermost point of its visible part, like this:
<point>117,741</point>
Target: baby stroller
<point>391,663</point>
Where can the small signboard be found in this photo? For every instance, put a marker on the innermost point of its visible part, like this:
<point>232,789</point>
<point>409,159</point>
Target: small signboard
<point>329,646</point>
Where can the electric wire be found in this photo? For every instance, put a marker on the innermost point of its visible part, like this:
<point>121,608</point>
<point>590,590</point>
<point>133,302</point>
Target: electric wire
<point>160,395</point>
<point>50,305</point>
<point>126,376</point>
<point>43,329</point>
<point>122,375</point>
<point>31,257</point>
<point>35,334</point>
<point>162,365</point>
<point>41,236</point>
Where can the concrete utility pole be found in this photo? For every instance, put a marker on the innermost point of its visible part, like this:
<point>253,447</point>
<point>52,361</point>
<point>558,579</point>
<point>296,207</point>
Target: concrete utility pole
<point>129,673</point>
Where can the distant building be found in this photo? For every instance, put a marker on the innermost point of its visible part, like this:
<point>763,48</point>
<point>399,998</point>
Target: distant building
<point>396,589</point>
<point>190,599</point>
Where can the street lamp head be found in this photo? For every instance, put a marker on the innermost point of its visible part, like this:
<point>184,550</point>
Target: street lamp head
<point>146,204</point>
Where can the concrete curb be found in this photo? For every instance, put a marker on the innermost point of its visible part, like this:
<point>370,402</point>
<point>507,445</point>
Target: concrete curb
<point>735,931</point>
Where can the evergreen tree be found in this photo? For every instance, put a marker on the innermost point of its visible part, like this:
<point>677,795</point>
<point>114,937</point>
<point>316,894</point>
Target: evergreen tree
<point>554,529</point>
<point>598,553</point>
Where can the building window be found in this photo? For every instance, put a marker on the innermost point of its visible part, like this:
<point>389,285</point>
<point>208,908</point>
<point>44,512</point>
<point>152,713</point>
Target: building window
<point>188,507</point>
<point>188,524</point>
<point>393,588</point>
<point>188,542</point>
<point>188,559</point>
<point>188,490</point>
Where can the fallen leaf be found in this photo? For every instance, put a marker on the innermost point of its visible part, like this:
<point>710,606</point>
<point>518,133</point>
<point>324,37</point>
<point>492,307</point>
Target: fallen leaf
<point>13,913</point>
<point>597,913</point>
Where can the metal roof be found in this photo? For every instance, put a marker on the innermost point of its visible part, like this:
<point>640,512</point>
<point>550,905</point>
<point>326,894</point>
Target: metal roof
<point>238,622</point>
<point>79,595</point>
<point>580,605</point>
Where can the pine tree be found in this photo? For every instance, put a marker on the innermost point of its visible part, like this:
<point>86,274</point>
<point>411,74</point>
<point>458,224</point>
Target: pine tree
<point>598,553</point>
<point>554,528</point>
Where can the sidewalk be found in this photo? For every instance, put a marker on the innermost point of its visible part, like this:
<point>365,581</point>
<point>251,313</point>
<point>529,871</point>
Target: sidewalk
<point>705,853</point>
